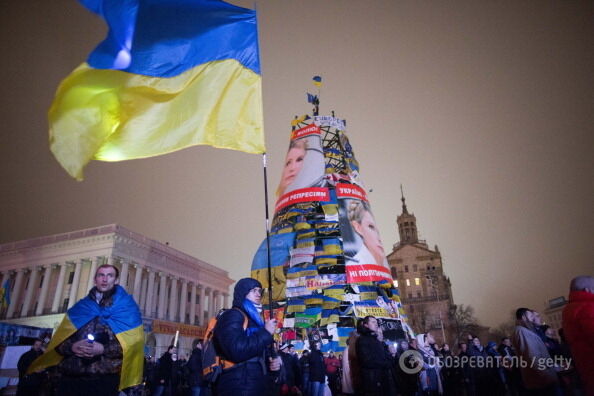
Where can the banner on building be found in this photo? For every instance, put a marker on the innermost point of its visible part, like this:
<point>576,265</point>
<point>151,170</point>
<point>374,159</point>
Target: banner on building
<point>186,330</point>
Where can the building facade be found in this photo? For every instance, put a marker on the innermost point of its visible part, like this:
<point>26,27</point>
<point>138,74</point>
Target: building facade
<point>554,311</point>
<point>175,292</point>
<point>425,290</point>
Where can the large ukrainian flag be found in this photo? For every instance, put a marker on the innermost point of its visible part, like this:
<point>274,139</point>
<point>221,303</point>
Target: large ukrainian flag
<point>122,317</point>
<point>171,74</point>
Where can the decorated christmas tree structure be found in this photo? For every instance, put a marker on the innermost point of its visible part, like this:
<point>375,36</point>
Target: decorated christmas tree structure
<point>328,263</point>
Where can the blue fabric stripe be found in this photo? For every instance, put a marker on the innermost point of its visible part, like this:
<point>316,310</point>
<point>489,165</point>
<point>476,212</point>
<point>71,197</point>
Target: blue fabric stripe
<point>164,38</point>
<point>123,315</point>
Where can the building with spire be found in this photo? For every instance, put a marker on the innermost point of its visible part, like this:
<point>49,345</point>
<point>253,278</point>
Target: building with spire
<point>417,270</point>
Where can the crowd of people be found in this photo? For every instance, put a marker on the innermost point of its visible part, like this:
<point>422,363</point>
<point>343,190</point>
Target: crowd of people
<point>531,361</point>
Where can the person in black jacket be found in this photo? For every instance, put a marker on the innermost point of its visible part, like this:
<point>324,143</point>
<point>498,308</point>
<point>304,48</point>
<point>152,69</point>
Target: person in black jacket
<point>290,369</point>
<point>247,347</point>
<point>408,381</point>
<point>304,367</point>
<point>167,373</point>
<point>194,368</point>
<point>317,371</point>
<point>478,369</point>
<point>29,384</point>
<point>374,360</point>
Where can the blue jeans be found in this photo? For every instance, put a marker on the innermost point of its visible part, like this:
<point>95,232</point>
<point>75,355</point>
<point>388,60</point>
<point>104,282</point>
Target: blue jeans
<point>305,383</point>
<point>317,388</point>
<point>195,391</point>
<point>159,390</point>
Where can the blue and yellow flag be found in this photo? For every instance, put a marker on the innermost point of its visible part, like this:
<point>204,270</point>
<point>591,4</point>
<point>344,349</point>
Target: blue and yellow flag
<point>5,294</point>
<point>171,74</point>
<point>122,317</point>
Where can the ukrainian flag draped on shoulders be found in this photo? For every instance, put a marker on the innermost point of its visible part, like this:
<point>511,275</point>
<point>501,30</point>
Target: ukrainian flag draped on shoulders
<point>122,317</point>
<point>171,74</point>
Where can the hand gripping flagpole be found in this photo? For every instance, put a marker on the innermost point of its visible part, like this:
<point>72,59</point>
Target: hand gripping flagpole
<point>267,235</point>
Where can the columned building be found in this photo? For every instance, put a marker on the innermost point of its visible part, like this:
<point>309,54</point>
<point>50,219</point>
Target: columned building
<point>417,270</point>
<point>553,312</point>
<point>175,292</point>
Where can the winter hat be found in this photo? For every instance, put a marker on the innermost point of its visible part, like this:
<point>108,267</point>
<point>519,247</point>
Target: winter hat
<point>421,340</point>
<point>242,288</point>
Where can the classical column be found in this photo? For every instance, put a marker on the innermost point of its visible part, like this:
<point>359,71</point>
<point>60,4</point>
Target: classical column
<point>226,300</point>
<point>143,286</point>
<point>184,300</point>
<point>193,305</point>
<point>59,288</point>
<point>93,269</point>
<point>202,305</point>
<point>75,284</point>
<point>211,307</point>
<point>124,274</point>
<point>32,286</point>
<point>217,302</point>
<point>16,292</point>
<point>162,294</point>
<point>149,308</point>
<point>44,288</point>
<point>137,283</point>
<point>5,276</point>
<point>173,299</point>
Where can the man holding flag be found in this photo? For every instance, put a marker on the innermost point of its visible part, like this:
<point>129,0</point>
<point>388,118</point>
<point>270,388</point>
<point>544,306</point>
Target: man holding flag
<point>100,343</point>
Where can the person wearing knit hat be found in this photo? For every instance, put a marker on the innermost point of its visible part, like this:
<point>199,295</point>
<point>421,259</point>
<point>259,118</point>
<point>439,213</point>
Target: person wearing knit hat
<point>246,347</point>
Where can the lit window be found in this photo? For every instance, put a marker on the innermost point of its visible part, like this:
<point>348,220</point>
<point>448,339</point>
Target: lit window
<point>408,282</point>
<point>395,283</point>
<point>417,281</point>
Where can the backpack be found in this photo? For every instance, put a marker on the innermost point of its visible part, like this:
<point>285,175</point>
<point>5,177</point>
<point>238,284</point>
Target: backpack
<point>212,363</point>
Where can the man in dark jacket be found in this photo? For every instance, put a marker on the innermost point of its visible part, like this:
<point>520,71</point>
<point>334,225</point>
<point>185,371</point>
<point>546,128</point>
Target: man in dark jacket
<point>317,370</point>
<point>290,369</point>
<point>304,367</point>
<point>167,373</point>
<point>245,347</point>
<point>478,367</point>
<point>29,384</point>
<point>374,360</point>
<point>511,371</point>
<point>194,367</point>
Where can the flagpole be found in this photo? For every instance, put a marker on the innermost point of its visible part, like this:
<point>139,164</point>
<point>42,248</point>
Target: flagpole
<point>265,194</point>
<point>267,234</point>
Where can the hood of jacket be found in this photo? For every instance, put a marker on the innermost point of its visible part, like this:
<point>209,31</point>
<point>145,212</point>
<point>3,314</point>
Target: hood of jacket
<point>242,288</point>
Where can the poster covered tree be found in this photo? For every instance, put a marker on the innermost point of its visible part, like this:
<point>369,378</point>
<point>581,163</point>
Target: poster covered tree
<point>328,263</point>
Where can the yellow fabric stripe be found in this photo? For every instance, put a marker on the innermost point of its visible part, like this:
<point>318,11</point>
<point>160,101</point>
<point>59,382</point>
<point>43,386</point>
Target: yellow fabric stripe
<point>111,115</point>
<point>279,282</point>
<point>132,342</point>
<point>51,357</point>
